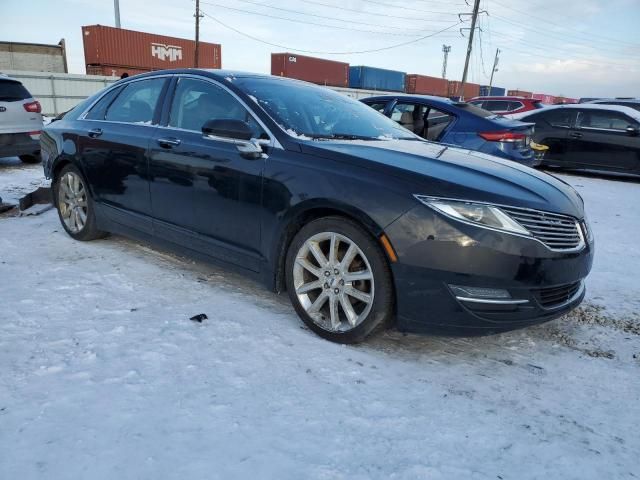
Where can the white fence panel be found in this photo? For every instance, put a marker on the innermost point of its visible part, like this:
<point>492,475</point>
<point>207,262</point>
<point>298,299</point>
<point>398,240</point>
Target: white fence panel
<point>59,92</point>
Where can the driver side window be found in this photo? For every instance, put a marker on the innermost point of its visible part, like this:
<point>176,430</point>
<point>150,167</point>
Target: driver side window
<point>197,101</point>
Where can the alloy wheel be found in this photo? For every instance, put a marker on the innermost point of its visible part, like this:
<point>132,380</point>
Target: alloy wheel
<point>72,201</point>
<point>333,281</point>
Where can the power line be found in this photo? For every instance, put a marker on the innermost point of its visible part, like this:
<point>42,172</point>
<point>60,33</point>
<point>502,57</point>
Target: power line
<point>590,34</point>
<point>293,49</point>
<point>407,8</point>
<point>544,52</point>
<point>377,14</point>
<point>536,30</point>
<point>298,12</point>
<point>351,29</point>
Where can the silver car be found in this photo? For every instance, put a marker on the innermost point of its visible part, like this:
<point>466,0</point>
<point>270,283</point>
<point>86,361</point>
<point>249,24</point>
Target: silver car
<point>20,121</point>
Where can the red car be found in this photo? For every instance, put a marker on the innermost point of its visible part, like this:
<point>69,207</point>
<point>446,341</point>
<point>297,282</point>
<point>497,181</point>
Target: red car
<point>506,105</point>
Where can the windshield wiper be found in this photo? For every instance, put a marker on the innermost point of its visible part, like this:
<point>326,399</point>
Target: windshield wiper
<point>340,136</point>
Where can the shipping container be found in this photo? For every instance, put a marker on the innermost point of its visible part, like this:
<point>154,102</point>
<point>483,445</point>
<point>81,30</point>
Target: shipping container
<point>372,78</point>
<point>487,91</point>
<point>310,69</point>
<point>425,85</point>
<point>470,89</point>
<point>135,52</point>
<point>519,93</point>
<point>544,98</point>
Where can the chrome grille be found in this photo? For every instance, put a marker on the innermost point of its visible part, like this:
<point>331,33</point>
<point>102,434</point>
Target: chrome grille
<point>558,232</point>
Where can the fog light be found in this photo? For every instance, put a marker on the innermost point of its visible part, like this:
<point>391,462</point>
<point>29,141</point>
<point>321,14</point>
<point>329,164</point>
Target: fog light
<point>477,292</point>
<point>484,295</point>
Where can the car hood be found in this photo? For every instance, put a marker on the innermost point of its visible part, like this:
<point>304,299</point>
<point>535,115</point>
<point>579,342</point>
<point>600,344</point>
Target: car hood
<point>451,172</point>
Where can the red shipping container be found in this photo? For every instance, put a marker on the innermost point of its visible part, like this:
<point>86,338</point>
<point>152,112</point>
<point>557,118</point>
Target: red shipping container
<point>310,69</point>
<point>519,93</point>
<point>470,89</point>
<point>425,85</point>
<point>138,51</point>
<point>544,98</point>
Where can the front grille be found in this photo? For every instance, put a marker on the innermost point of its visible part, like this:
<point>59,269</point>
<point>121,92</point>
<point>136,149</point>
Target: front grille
<point>558,232</point>
<point>557,296</point>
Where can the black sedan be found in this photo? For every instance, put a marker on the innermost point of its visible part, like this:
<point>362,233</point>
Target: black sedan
<point>362,222</point>
<point>589,136</point>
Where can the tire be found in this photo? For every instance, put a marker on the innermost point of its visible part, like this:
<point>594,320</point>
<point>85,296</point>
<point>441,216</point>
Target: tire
<point>76,207</point>
<point>30,158</point>
<point>366,276</point>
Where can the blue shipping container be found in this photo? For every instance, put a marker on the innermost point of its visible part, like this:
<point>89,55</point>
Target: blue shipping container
<point>370,78</point>
<point>485,91</point>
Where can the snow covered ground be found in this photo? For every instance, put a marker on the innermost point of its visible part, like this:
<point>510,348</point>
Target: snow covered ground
<point>103,375</point>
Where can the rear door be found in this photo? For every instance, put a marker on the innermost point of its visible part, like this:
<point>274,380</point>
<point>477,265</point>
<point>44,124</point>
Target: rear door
<point>600,139</point>
<point>113,144</point>
<point>552,129</point>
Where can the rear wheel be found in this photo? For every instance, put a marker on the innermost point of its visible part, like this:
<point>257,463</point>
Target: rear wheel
<point>29,158</point>
<point>339,281</point>
<point>75,206</point>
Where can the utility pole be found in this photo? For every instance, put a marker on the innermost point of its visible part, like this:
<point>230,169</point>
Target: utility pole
<point>116,8</point>
<point>494,69</point>
<point>445,49</point>
<point>198,16</point>
<point>474,17</point>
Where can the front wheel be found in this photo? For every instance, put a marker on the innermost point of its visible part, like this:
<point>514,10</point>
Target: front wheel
<point>75,206</point>
<point>339,281</point>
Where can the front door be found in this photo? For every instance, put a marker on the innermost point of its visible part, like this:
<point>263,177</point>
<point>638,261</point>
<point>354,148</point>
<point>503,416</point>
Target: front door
<point>204,194</point>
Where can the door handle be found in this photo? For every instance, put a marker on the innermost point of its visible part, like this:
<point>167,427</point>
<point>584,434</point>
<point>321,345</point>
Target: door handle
<point>168,142</point>
<point>95,132</point>
<point>575,135</point>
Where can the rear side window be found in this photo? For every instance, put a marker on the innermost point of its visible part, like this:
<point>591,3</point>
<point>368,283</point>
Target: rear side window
<point>11,91</point>
<point>556,118</point>
<point>99,110</point>
<point>478,112</point>
<point>604,120</point>
<point>515,106</point>
<point>497,105</point>
<point>137,102</point>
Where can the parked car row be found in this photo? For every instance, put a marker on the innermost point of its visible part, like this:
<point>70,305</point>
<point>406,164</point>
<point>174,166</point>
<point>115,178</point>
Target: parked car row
<point>363,222</point>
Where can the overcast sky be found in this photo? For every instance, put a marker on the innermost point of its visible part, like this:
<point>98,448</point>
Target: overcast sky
<point>569,47</point>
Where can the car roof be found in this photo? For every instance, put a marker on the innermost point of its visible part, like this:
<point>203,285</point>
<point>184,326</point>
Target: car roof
<point>619,100</point>
<point>505,97</point>
<point>631,112</point>
<point>414,97</point>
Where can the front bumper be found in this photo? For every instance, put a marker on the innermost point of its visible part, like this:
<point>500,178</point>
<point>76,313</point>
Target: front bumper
<point>15,144</point>
<point>435,252</point>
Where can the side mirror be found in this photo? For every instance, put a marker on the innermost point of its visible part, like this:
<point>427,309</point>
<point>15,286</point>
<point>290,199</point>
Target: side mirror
<point>633,131</point>
<point>232,129</point>
<point>237,132</point>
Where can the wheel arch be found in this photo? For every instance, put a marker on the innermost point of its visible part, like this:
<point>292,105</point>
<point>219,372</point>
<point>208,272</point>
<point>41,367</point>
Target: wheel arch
<point>303,214</point>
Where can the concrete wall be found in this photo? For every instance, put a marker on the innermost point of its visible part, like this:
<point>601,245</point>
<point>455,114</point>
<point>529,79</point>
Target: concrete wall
<point>33,57</point>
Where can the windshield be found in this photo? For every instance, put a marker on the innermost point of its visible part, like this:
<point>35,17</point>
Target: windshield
<point>315,112</point>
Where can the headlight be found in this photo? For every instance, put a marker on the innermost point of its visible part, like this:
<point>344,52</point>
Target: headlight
<point>479,214</point>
